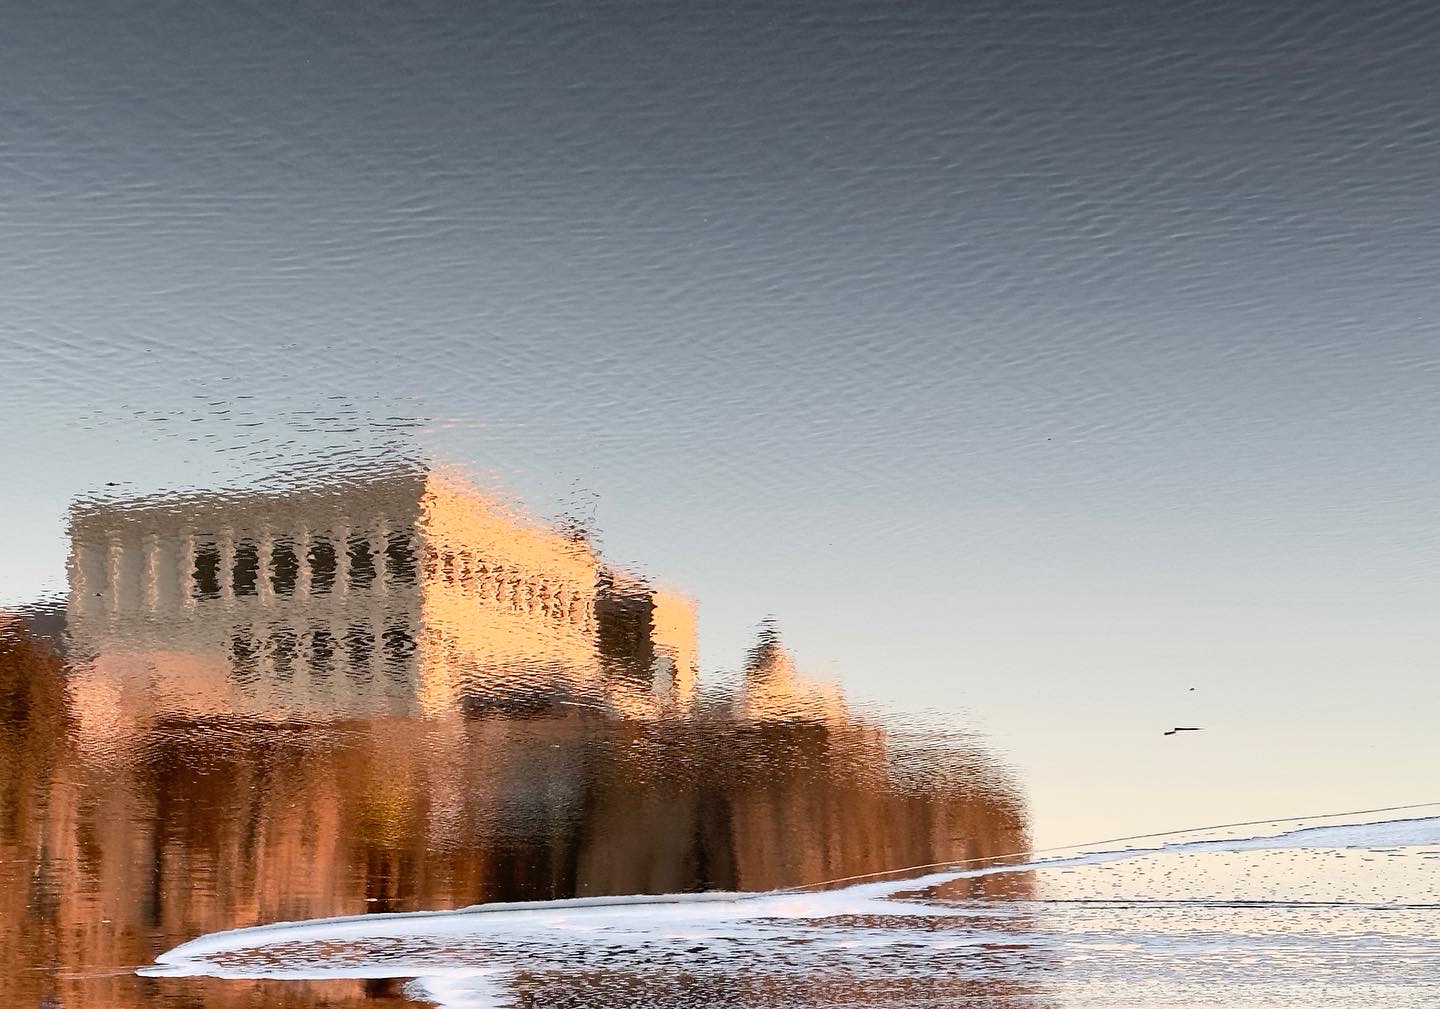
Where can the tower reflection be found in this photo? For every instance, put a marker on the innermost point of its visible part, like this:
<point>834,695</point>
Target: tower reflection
<point>390,694</point>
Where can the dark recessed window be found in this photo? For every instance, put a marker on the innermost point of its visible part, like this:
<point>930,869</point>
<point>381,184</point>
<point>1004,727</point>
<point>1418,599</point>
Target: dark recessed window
<point>322,652</point>
<point>322,566</point>
<point>284,568</point>
<point>399,646</point>
<point>244,658</point>
<point>282,653</point>
<point>359,646</point>
<point>400,558</point>
<point>207,571</point>
<point>362,563</point>
<point>246,573</point>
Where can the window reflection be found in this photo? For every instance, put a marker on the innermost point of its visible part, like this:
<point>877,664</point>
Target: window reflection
<point>207,571</point>
<point>284,567</point>
<point>246,572</point>
<point>362,563</point>
<point>322,565</point>
<point>400,558</point>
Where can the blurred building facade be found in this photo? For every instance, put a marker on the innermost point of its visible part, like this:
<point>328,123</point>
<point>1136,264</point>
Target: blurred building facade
<point>406,593</point>
<point>189,825</point>
<point>395,694</point>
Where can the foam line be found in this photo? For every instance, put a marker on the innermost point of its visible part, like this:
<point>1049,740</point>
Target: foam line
<point>318,948</point>
<point>1414,832</point>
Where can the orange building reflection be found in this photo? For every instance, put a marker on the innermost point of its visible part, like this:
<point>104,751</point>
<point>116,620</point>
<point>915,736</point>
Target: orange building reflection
<point>399,696</point>
<point>402,594</point>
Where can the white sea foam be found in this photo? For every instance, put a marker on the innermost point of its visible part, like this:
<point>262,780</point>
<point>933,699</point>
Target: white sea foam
<point>1385,834</point>
<point>464,958</point>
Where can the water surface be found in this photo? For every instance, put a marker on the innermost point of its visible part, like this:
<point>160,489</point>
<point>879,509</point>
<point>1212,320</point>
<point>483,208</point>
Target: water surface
<point>509,452</point>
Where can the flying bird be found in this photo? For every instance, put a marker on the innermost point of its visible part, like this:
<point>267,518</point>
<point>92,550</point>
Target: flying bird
<point>1182,728</point>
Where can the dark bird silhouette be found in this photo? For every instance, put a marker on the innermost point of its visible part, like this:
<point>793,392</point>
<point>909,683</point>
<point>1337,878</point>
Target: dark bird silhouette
<point>1182,728</point>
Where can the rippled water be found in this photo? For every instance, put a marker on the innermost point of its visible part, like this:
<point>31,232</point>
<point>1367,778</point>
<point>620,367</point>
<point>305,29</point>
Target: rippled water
<point>460,454</point>
<point>391,695</point>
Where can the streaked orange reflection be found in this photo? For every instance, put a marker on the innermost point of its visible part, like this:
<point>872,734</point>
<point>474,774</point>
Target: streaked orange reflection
<point>245,730</point>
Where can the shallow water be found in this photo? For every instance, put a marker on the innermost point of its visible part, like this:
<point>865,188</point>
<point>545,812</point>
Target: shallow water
<point>522,453</point>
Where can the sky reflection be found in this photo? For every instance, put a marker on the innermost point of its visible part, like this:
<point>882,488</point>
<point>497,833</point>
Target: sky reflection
<point>459,451</point>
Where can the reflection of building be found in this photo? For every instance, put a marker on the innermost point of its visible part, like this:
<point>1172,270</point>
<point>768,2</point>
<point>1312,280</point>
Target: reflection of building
<point>775,691</point>
<point>134,825</point>
<point>677,647</point>
<point>647,640</point>
<point>399,594</point>
<point>104,863</point>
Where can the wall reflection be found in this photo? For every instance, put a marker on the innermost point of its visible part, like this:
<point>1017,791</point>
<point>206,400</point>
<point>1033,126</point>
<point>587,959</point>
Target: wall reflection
<point>393,694</point>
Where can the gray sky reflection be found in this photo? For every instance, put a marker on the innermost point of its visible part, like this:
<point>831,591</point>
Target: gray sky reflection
<point>1035,362</point>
